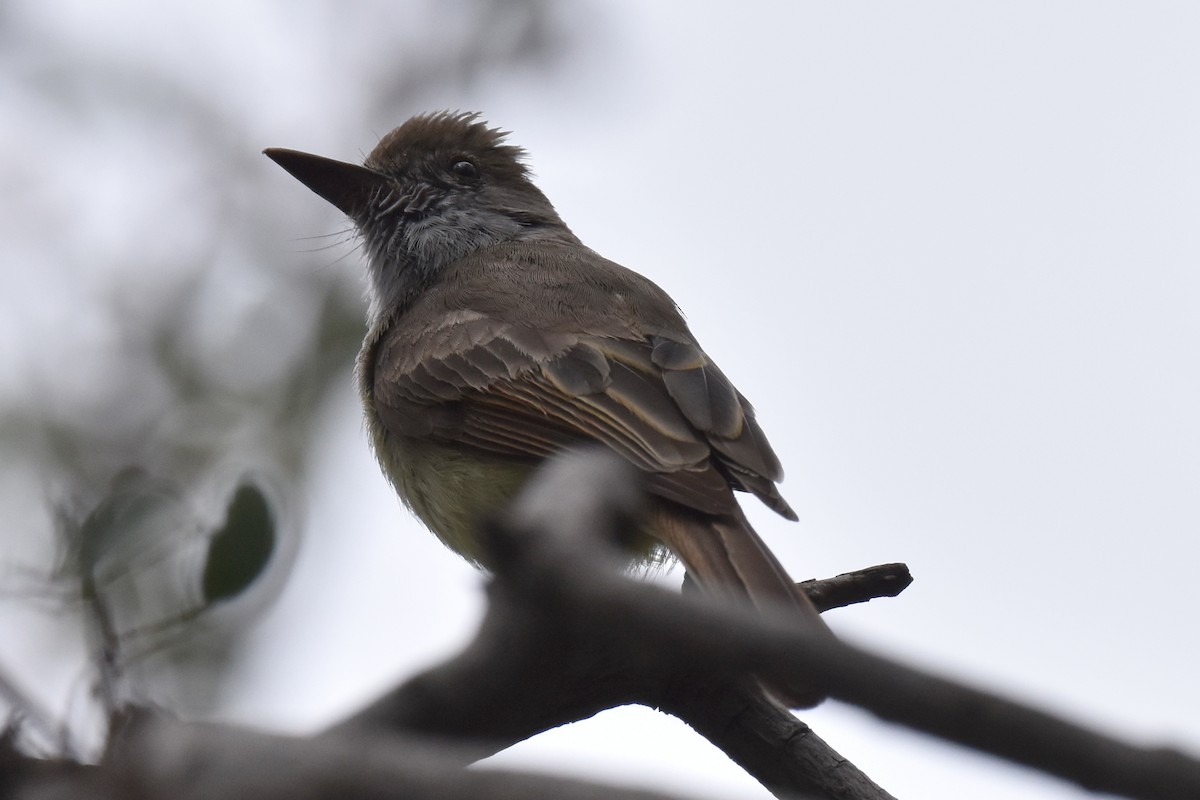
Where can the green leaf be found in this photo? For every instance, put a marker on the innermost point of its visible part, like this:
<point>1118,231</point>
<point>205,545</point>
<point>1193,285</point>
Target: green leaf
<point>240,550</point>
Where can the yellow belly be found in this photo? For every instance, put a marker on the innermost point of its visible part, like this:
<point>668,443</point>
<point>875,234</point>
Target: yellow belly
<point>453,489</point>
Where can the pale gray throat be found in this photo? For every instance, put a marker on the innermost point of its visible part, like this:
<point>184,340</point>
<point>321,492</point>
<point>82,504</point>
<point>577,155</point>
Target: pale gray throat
<point>406,253</point>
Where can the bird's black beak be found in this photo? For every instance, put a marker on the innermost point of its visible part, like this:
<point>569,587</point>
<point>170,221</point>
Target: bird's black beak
<point>347,186</point>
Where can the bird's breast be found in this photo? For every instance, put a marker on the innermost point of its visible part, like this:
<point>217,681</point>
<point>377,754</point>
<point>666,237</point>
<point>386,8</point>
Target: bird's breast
<point>450,488</point>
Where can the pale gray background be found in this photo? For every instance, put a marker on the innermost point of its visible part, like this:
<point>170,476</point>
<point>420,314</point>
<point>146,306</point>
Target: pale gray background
<point>948,250</point>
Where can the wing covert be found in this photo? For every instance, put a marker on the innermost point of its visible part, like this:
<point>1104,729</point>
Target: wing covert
<point>511,389</point>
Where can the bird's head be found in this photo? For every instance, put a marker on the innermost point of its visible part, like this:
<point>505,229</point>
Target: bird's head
<point>434,190</point>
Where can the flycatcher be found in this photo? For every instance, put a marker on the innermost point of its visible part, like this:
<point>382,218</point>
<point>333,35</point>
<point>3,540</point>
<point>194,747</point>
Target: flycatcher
<point>498,339</point>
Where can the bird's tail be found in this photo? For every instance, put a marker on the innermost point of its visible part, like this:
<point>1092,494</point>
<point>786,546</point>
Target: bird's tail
<point>726,557</point>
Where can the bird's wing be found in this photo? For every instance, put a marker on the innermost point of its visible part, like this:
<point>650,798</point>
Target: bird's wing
<point>518,391</point>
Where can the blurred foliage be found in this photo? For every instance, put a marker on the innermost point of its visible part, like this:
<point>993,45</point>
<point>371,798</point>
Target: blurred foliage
<point>239,551</point>
<point>170,351</point>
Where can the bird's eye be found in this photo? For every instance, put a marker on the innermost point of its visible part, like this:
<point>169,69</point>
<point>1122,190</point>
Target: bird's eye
<point>465,169</point>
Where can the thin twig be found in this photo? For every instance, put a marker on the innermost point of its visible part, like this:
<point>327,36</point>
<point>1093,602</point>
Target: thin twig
<point>859,586</point>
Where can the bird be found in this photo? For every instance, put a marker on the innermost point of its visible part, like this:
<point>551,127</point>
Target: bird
<point>497,339</point>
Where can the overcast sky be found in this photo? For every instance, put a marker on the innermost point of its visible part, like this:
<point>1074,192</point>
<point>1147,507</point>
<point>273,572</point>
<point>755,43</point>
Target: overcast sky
<point>950,253</point>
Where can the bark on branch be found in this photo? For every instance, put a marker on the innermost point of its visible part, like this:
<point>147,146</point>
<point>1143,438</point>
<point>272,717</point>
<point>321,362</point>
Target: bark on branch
<point>567,635</point>
<point>613,641</point>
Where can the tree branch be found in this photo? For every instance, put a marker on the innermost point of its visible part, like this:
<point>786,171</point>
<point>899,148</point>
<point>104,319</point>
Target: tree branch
<point>567,635</point>
<point>160,758</point>
<point>617,640</point>
<point>535,665</point>
<point>860,586</point>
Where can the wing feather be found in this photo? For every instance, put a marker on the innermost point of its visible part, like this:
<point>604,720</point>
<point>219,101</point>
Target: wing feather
<point>515,390</point>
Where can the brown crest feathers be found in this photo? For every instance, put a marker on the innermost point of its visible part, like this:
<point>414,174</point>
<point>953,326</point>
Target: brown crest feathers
<point>445,136</point>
